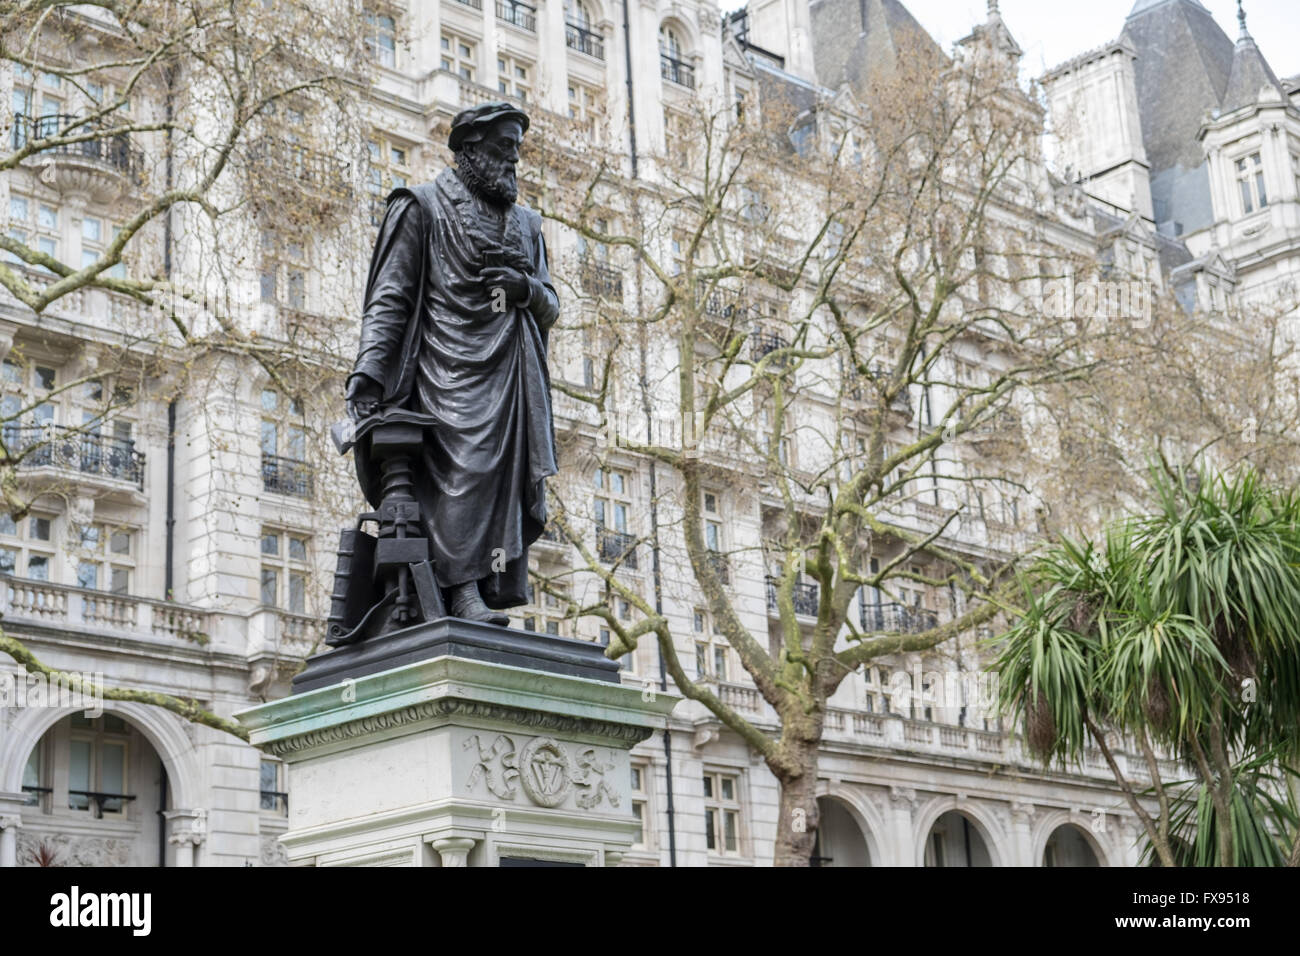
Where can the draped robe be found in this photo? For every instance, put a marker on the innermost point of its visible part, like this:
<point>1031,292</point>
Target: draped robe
<point>477,377</point>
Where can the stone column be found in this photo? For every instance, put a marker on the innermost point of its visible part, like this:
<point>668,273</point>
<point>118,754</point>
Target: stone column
<point>9,840</point>
<point>188,829</point>
<point>1022,839</point>
<point>454,850</point>
<point>902,802</point>
<point>10,821</point>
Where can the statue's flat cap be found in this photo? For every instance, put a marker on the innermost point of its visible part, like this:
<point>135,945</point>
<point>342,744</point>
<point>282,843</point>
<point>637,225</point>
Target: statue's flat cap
<point>476,117</point>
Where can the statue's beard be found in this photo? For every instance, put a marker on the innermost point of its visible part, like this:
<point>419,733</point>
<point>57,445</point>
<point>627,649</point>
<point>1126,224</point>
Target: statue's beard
<point>493,179</point>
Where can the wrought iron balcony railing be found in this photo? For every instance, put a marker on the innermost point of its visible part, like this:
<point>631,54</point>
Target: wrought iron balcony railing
<point>286,476</point>
<point>764,343</point>
<point>84,799</point>
<point>584,41</point>
<point>517,14</point>
<point>313,169</point>
<point>600,280</point>
<point>111,149</point>
<point>57,446</point>
<point>677,71</point>
<point>805,597</point>
<point>616,546</point>
<point>891,617</point>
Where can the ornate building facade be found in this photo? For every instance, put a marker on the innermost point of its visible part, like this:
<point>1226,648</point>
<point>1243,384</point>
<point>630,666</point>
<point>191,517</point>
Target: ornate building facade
<point>184,547</point>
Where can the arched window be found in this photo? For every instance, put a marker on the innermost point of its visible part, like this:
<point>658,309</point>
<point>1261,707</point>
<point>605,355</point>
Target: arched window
<point>579,30</point>
<point>577,13</point>
<point>670,43</point>
<point>672,64</point>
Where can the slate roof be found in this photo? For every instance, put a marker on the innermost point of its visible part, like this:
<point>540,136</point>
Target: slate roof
<point>1184,60</point>
<point>1250,73</point>
<point>857,41</point>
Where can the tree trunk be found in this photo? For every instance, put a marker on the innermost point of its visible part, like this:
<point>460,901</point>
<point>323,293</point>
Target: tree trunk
<point>796,825</point>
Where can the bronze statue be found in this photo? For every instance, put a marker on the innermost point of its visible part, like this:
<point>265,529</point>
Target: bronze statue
<point>449,399</point>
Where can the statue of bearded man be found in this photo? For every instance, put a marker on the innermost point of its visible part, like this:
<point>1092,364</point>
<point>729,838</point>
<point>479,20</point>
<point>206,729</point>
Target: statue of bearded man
<point>458,306</point>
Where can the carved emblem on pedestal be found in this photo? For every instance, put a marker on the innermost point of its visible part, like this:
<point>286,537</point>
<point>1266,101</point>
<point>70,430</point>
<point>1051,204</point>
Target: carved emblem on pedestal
<point>496,764</point>
<point>590,780</point>
<point>545,771</point>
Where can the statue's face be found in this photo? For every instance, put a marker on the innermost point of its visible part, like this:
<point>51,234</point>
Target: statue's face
<point>501,143</point>
<point>491,160</point>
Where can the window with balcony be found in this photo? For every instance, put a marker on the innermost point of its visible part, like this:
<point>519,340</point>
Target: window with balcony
<point>611,505</point>
<point>103,444</point>
<point>27,547</point>
<point>514,77</point>
<point>28,408</point>
<point>284,447</point>
<point>1250,183</point>
<point>517,14</point>
<point>285,571</point>
<point>458,55</point>
<point>97,765</point>
<point>36,783</point>
<point>673,65</point>
<point>580,30</point>
<point>722,813</point>
<point>381,38</point>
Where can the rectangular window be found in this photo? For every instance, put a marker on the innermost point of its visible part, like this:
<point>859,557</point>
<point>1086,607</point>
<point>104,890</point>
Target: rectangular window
<point>514,77</point>
<point>640,805</point>
<point>284,559</point>
<point>97,765</point>
<point>458,55</point>
<point>381,39</point>
<point>270,586</point>
<point>722,813</point>
<point>1250,183</point>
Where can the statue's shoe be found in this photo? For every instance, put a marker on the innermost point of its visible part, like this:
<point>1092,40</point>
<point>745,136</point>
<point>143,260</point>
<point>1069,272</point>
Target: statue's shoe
<point>468,604</point>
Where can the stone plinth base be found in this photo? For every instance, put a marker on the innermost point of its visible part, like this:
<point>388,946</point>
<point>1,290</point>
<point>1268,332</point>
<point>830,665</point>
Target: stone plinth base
<point>458,761</point>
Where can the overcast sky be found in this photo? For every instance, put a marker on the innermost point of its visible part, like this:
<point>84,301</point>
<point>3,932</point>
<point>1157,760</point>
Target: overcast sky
<point>1052,31</point>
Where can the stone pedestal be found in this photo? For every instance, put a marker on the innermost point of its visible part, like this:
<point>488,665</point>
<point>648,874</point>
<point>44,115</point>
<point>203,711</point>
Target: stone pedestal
<point>484,749</point>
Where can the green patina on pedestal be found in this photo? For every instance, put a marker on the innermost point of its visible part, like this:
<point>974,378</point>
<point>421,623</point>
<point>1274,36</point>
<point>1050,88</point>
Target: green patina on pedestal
<point>456,762</point>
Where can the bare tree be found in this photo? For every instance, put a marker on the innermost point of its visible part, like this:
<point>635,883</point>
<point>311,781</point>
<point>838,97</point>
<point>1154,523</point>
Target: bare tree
<point>218,148</point>
<point>833,316</point>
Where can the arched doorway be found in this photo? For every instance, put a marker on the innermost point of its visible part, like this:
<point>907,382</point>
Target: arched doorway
<point>955,840</point>
<point>840,841</point>
<point>94,787</point>
<point>1069,846</point>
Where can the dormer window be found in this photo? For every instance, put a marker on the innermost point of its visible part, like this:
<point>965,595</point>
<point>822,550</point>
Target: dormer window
<point>1250,181</point>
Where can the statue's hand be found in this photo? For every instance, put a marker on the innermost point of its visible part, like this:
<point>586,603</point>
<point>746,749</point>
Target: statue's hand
<point>364,394</point>
<point>515,283</point>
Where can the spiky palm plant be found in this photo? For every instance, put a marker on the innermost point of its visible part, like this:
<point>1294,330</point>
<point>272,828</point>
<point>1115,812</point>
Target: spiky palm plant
<point>1182,631</point>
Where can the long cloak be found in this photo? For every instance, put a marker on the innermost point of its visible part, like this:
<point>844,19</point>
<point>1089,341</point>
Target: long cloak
<point>431,338</point>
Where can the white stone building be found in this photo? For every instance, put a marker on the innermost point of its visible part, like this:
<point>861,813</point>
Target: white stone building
<point>212,499</point>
